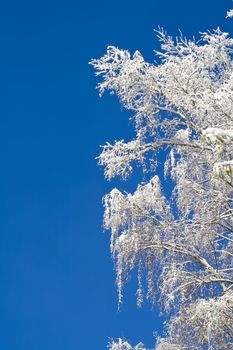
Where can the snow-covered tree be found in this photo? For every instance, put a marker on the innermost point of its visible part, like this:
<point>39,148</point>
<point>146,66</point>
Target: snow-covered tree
<point>180,242</point>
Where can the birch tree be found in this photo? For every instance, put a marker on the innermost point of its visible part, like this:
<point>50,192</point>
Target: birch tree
<point>179,243</point>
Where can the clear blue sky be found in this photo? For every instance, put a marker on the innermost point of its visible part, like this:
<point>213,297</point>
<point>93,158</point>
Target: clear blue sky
<point>57,287</point>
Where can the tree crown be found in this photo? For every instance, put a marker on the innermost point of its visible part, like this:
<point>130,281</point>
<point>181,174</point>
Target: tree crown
<point>180,244</point>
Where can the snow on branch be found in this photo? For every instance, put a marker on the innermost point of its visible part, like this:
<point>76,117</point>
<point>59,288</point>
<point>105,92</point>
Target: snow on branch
<point>118,158</point>
<point>224,168</point>
<point>218,135</point>
<point>135,220</point>
<point>121,344</point>
<point>179,240</point>
<point>229,13</point>
<point>212,318</point>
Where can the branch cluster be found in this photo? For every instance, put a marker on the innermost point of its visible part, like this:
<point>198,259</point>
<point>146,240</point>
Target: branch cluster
<point>180,244</point>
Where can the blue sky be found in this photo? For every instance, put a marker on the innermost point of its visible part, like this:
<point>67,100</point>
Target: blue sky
<point>57,288</point>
